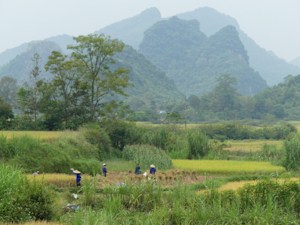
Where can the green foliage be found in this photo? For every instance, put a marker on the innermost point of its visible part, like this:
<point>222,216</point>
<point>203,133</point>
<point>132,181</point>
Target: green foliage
<point>146,155</point>
<point>70,150</point>
<point>292,153</point>
<point>193,61</point>
<point>239,131</point>
<point>6,115</point>
<point>198,144</point>
<point>22,200</point>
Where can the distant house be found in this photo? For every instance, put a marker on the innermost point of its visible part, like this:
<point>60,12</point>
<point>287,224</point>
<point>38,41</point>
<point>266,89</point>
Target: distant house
<point>162,112</point>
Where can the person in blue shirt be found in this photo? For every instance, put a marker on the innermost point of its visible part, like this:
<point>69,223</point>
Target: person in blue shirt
<point>138,169</point>
<point>104,170</point>
<point>72,171</point>
<point>78,178</point>
<point>152,169</point>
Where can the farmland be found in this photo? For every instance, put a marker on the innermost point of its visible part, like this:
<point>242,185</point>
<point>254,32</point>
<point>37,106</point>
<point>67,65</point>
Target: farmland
<point>216,174</point>
<point>227,167</point>
<point>43,135</point>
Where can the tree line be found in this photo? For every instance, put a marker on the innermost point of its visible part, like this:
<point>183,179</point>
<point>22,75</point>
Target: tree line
<point>76,94</point>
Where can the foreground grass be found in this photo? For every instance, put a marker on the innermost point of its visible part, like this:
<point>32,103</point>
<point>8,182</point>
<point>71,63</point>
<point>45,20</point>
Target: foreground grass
<point>43,135</point>
<point>227,167</point>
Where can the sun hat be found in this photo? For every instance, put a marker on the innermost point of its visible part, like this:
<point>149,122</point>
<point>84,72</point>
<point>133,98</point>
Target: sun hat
<point>72,169</point>
<point>152,166</point>
<point>76,171</point>
<point>104,164</point>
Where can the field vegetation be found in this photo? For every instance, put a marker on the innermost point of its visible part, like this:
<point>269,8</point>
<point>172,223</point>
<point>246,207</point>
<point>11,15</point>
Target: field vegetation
<point>227,167</point>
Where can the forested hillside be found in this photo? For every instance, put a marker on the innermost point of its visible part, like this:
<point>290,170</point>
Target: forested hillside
<point>19,67</point>
<point>282,100</point>
<point>270,67</point>
<point>151,85</point>
<point>193,61</point>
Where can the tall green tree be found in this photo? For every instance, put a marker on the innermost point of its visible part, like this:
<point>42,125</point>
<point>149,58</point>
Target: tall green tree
<point>225,95</point>
<point>63,96</point>
<point>6,114</point>
<point>95,55</point>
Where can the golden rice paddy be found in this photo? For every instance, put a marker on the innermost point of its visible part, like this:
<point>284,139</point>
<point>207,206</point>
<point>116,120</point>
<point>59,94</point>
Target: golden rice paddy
<point>44,135</point>
<point>57,179</point>
<point>251,145</point>
<point>227,166</point>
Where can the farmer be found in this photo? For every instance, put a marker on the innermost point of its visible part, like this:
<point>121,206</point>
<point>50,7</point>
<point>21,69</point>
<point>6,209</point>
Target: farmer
<point>152,169</point>
<point>104,170</point>
<point>36,173</point>
<point>138,169</point>
<point>72,171</point>
<point>78,178</point>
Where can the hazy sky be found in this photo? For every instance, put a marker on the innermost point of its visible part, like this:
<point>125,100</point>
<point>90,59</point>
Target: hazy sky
<point>273,24</point>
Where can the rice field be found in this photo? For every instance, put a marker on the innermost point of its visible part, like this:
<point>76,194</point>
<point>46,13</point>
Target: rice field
<point>182,126</point>
<point>58,180</point>
<point>227,166</point>
<point>43,135</point>
<point>251,145</point>
<point>236,185</point>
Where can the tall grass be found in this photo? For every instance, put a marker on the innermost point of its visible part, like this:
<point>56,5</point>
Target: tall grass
<point>22,200</point>
<point>292,153</point>
<point>147,204</point>
<point>198,144</point>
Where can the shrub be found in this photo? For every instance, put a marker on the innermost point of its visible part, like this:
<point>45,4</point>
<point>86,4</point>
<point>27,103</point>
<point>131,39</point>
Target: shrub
<point>146,155</point>
<point>22,200</point>
<point>198,144</point>
<point>292,153</point>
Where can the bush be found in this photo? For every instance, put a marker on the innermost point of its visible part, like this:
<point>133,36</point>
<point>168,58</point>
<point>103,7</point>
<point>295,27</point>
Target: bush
<point>146,155</point>
<point>292,153</point>
<point>71,149</point>
<point>22,200</point>
<point>198,144</point>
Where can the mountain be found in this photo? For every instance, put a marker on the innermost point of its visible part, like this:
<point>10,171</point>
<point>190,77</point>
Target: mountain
<point>296,62</point>
<point>9,54</point>
<point>131,30</point>
<point>150,82</point>
<point>193,60</point>
<point>62,41</point>
<point>19,67</point>
<point>270,67</point>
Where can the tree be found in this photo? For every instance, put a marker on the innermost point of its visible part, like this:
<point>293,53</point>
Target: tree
<point>6,114</point>
<point>8,89</point>
<point>63,98</point>
<point>225,95</point>
<point>174,117</point>
<point>94,55</point>
<point>29,95</point>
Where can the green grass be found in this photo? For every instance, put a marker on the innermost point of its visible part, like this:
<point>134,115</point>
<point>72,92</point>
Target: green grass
<point>119,165</point>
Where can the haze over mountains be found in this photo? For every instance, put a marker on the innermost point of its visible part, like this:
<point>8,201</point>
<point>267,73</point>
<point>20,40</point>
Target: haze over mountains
<point>131,32</point>
<point>194,61</point>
